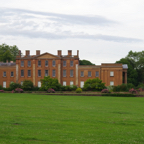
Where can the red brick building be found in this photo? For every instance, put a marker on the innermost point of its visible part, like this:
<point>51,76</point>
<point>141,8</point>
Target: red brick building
<point>65,68</point>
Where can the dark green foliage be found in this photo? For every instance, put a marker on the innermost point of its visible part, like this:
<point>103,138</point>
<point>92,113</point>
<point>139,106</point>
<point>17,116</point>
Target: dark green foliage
<point>35,88</point>
<point>68,88</point>
<point>1,87</point>
<point>94,84</point>
<point>78,90</point>
<point>27,85</point>
<point>141,85</point>
<point>85,62</point>
<point>118,95</point>
<point>13,86</point>
<point>49,82</point>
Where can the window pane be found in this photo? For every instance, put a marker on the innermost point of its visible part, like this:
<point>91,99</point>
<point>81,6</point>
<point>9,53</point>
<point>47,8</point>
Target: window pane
<point>111,73</point>
<point>29,63</point>
<point>81,84</point>
<point>39,73</point>
<point>64,73</point>
<point>53,63</point>
<point>64,63</point>
<point>71,63</point>
<point>12,74</point>
<point>46,63</point>
<point>71,82</point>
<point>82,74</point>
<point>97,73</point>
<point>46,72</point>
<point>71,73</point>
<point>89,73</point>
<point>39,63</point>
<point>53,73</point>
<point>29,73</point>
<point>111,83</point>
<point>64,83</point>
<point>22,73</point>
<point>22,63</point>
<point>4,74</point>
<point>21,82</point>
<point>39,84</point>
<point>4,84</point>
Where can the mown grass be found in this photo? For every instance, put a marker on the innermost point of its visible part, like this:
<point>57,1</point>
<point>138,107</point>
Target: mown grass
<point>42,119</point>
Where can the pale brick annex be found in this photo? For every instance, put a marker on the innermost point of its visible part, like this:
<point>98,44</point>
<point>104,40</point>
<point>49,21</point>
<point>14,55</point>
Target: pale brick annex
<point>65,68</point>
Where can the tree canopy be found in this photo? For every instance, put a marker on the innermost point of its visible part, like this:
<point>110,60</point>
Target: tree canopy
<point>85,62</point>
<point>8,52</point>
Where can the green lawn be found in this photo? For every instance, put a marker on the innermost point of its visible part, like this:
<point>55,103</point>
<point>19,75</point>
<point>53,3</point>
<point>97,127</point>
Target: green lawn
<point>42,119</point>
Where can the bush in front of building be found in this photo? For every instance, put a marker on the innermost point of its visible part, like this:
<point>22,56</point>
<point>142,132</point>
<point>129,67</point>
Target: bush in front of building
<point>13,86</point>
<point>78,90</point>
<point>1,88</point>
<point>68,88</point>
<point>1,91</point>
<point>105,91</point>
<point>94,84</point>
<point>133,91</point>
<point>27,85</point>
<point>19,90</point>
<point>50,90</point>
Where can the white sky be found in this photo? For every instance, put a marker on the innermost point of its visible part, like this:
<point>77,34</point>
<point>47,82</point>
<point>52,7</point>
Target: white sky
<point>103,31</point>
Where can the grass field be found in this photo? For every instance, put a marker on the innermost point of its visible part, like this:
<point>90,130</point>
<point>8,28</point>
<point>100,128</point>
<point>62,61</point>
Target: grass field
<point>42,119</point>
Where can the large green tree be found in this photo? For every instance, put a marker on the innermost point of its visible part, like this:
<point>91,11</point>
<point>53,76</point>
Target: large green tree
<point>8,52</point>
<point>85,62</point>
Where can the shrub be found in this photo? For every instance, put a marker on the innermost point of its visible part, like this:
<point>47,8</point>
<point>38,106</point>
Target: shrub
<point>78,90</point>
<point>110,88</point>
<point>118,95</point>
<point>35,88</point>
<point>27,85</point>
<point>1,87</point>
<point>1,91</point>
<point>13,86</point>
<point>13,91</point>
<point>19,90</point>
<point>133,91</point>
<point>105,91</point>
<point>50,90</point>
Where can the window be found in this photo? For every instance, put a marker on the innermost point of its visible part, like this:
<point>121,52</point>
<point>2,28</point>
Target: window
<point>12,74</point>
<point>89,73</point>
<point>111,83</point>
<point>4,74</point>
<point>29,73</point>
<point>71,83</point>
<point>21,82</point>
<point>64,63</point>
<point>39,73</point>
<point>53,73</point>
<point>22,73</point>
<point>64,83</point>
<point>39,63</point>
<point>82,74</point>
<point>53,63</point>
<point>97,74</point>
<point>71,63</point>
<point>39,83</point>
<point>111,73</point>
<point>22,63</point>
<point>64,73</point>
<point>46,72</point>
<point>46,63</point>
<point>81,84</point>
<point>71,73</point>
<point>29,63</point>
<point>4,84</point>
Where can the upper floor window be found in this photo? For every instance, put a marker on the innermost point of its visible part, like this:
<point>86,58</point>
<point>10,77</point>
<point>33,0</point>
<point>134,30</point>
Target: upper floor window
<point>71,63</point>
<point>53,63</point>
<point>64,73</point>
<point>64,63</point>
<point>29,63</point>
<point>111,73</point>
<point>22,73</point>
<point>4,74</point>
<point>82,74</point>
<point>22,63</point>
<point>12,74</point>
<point>39,73</point>
<point>29,73</point>
<point>97,74</point>
<point>53,73</point>
<point>39,63</point>
<point>46,63</point>
<point>71,73</point>
<point>46,72</point>
<point>89,73</point>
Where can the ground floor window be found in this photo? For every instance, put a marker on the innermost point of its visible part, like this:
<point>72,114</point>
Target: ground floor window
<point>4,84</point>
<point>21,82</point>
<point>111,83</point>
<point>82,84</point>
<point>71,83</point>
<point>64,83</point>
<point>39,83</point>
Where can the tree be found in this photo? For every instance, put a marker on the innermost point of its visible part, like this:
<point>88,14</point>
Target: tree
<point>8,52</point>
<point>27,85</point>
<point>85,62</point>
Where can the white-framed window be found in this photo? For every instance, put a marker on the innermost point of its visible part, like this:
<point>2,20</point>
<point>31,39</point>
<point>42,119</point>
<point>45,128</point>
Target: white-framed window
<point>111,73</point>
<point>21,82</point>
<point>89,73</point>
<point>111,83</point>
<point>39,83</point>
<point>46,63</point>
<point>4,84</point>
<point>22,73</point>
<point>97,74</point>
<point>22,63</point>
<point>71,73</point>
<point>29,63</point>
<point>53,63</point>
<point>64,63</point>
<point>53,73</point>
<point>4,74</point>
<point>39,73</point>
<point>12,74</point>
<point>82,73</point>
<point>64,83</point>
<point>82,84</point>
<point>71,63</point>
<point>71,83</point>
<point>46,72</point>
<point>29,73</point>
<point>39,63</point>
<point>64,73</point>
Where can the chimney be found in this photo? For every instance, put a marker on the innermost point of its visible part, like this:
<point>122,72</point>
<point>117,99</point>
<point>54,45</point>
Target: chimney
<point>78,53</point>
<point>37,52</point>
<point>69,52</point>
<point>59,52</point>
<point>27,52</point>
<point>20,53</point>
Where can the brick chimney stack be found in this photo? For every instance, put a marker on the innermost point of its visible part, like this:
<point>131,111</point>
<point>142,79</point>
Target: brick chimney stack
<point>59,53</point>
<point>69,52</point>
<point>27,52</point>
<point>37,52</point>
<point>78,53</point>
<point>19,53</point>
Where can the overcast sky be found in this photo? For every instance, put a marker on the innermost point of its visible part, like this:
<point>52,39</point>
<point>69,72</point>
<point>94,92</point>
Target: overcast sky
<point>103,31</point>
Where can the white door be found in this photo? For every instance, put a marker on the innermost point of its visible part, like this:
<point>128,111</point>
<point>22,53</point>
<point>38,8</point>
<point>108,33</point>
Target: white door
<point>4,84</point>
<point>81,84</point>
